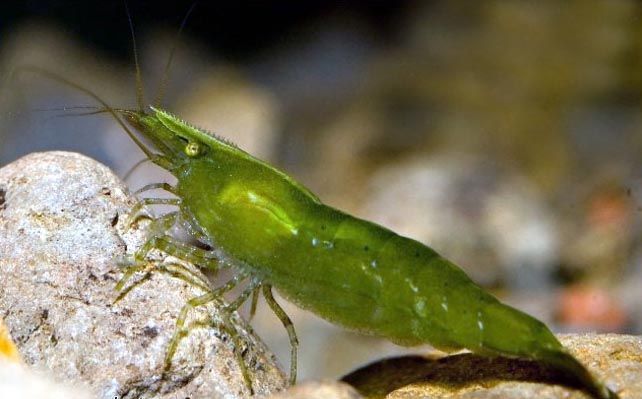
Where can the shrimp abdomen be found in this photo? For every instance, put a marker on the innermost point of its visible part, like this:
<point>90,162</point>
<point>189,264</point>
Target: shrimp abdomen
<point>356,273</point>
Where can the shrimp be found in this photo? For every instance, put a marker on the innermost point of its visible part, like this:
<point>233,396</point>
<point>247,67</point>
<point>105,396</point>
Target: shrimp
<point>276,234</point>
<point>349,271</point>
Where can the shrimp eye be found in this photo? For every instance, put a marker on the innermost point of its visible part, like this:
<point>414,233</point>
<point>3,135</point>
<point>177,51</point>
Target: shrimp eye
<point>192,149</point>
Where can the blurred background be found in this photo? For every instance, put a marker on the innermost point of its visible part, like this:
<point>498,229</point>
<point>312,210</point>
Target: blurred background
<point>505,134</point>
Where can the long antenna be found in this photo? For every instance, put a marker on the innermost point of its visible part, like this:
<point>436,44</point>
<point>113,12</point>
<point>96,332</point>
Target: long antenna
<point>112,111</point>
<point>133,168</point>
<point>65,108</point>
<point>163,83</point>
<point>140,98</point>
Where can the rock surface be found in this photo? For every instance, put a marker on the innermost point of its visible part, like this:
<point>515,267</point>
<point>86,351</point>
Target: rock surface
<point>319,390</point>
<point>18,382</point>
<point>62,219</point>
<point>616,359</point>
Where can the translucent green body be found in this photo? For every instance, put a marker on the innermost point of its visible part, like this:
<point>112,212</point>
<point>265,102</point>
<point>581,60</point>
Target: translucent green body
<point>347,270</point>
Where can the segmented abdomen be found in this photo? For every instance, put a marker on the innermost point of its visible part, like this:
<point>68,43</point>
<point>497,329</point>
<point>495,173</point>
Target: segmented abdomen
<point>368,278</point>
<point>353,272</point>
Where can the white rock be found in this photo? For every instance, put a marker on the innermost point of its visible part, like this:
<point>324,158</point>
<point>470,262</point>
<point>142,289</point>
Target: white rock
<point>17,382</point>
<point>61,233</point>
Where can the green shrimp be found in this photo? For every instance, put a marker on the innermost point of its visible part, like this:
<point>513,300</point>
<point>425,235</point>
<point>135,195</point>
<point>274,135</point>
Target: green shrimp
<point>347,270</point>
<point>275,233</point>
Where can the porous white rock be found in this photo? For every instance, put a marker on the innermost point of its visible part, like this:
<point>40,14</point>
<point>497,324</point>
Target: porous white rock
<point>62,218</point>
<point>18,382</point>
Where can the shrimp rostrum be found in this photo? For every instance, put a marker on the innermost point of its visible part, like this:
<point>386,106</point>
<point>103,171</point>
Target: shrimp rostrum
<point>349,271</point>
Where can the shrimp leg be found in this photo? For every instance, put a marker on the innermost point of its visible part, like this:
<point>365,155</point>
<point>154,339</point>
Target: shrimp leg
<point>289,327</point>
<point>255,300</point>
<point>214,295</point>
<point>136,211</point>
<point>154,186</point>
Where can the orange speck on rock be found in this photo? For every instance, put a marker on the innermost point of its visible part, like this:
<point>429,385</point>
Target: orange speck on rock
<point>8,349</point>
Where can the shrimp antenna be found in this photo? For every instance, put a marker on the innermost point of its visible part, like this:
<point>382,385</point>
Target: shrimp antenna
<point>133,168</point>
<point>112,111</point>
<point>65,108</point>
<point>96,110</point>
<point>140,98</point>
<point>164,79</point>
<point>75,114</point>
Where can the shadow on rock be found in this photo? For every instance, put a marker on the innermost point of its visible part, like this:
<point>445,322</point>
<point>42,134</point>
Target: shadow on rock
<point>461,372</point>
